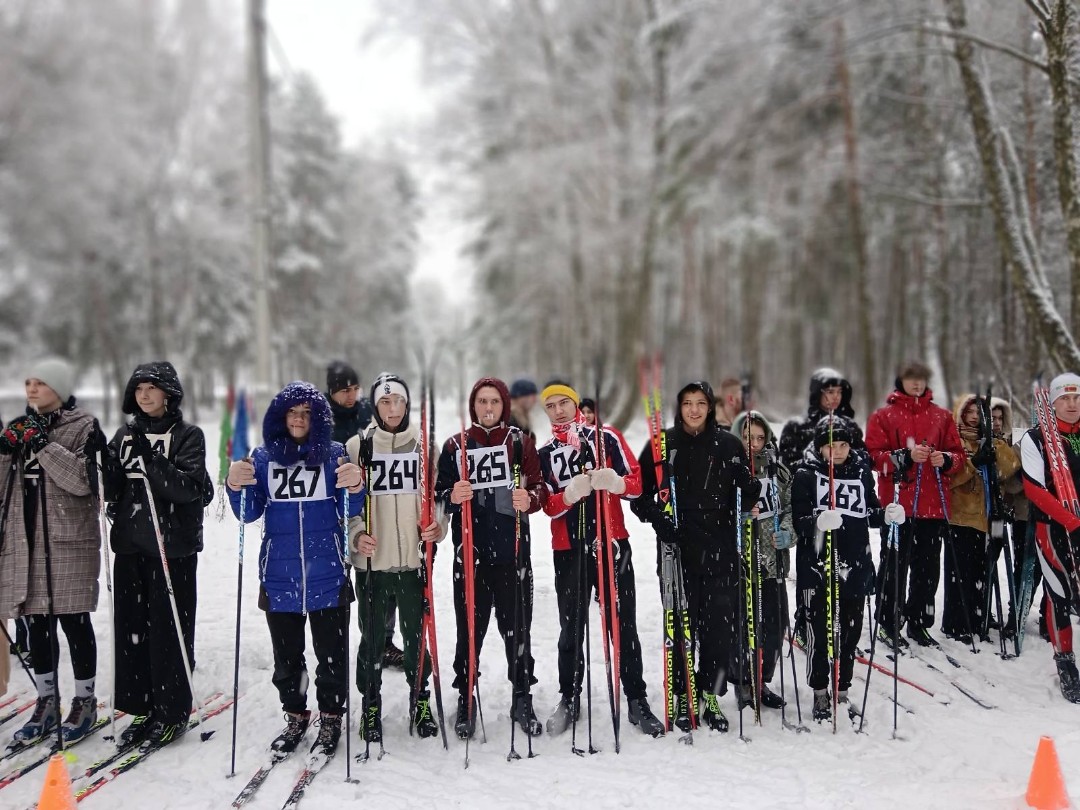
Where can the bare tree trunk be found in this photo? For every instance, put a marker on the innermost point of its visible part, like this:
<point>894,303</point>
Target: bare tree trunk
<point>1057,30</point>
<point>1013,231</point>
<point>864,303</point>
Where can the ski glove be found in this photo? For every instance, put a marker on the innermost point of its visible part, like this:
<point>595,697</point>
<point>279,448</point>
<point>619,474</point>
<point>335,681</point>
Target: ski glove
<point>830,520</point>
<point>140,445</point>
<point>984,456</point>
<point>580,486</point>
<point>666,531</point>
<point>95,442</point>
<point>894,513</point>
<point>607,479</point>
<point>782,539</point>
<point>11,438</point>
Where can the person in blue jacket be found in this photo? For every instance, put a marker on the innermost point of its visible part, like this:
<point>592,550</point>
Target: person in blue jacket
<point>295,482</point>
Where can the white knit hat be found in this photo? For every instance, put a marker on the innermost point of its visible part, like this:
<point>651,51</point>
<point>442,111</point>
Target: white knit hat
<point>1064,384</point>
<point>55,373</point>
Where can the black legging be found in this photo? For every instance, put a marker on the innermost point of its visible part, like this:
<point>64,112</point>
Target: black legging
<point>45,645</point>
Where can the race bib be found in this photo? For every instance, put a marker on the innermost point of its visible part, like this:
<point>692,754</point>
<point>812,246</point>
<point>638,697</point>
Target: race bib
<point>132,464</point>
<point>489,468</point>
<point>32,467</point>
<point>766,502</point>
<point>850,496</point>
<point>394,474</point>
<point>565,464</point>
<point>299,482</point>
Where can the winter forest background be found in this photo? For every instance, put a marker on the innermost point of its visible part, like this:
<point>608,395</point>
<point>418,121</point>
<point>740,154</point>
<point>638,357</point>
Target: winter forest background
<point>759,187</point>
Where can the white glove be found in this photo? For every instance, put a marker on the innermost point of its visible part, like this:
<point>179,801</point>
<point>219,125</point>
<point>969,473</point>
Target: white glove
<point>830,520</point>
<point>894,513</point>
<point>580,486</point>
<point>607,479</point>
<point>241,474</point>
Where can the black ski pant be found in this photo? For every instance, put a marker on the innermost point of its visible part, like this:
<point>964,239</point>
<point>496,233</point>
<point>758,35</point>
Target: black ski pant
<point>712,607</point>
<point>774,621</point>
<point>45,644</point>
<point>494,590</point>
<point>150,676</point>
<point>329,630</point>
<point>965,581</point>
<point>920,542</point>
<point>818,672</point>
<point>573,597</point>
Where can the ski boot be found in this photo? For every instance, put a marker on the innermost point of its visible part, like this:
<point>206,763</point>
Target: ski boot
<point>1067,674</point>
<point>712,716</point>
<point>639,713</point>
<point>423,722</point>
<point>296,725</point>
<point>567,711</point>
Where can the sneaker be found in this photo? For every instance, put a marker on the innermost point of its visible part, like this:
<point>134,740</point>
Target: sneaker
<point>1067,674</point>
<point>393,657</point>
<point>565,712</point>
<point>682,713</point>
<point>137,731</point>
<point>423,722</point>
<point>822,706</point>
<point>296,726</point>
<point>771,700</point>
<point>371,727</point>
<point>329,733</point>
<point>712,716</point>
<point>465,726</point>
<point>43,721</point>
<point>891,639</point>
<point>522,712</point>
<point>80,719</point>
<point>921,636</point>
<point>162,734</point>
<point>640,714</point>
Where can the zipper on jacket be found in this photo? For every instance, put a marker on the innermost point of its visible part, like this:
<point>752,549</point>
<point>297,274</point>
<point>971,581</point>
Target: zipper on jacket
<point>303,563</point>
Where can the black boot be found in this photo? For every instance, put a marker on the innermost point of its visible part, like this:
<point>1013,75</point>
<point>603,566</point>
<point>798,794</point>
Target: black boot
<point>423,722</point>
<point>465,726</point>
<point>822,706</point>
<point>771,700</point>
<point>565,712</point>
<point>296,725</point>
<point>712,716</point>
<point>1070,680</point>
<point>640,714</point>
<point>523,713</point>
<point>329,733</point>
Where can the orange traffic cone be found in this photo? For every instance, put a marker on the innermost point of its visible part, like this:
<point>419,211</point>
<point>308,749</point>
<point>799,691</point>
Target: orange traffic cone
<point>56,793</point>
<point>1046,787</point>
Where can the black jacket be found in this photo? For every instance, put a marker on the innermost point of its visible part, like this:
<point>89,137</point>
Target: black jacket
<point>857,501</point>
<point>350,421</point>
<point>797,437</point>
<point>176,473</point>
<point>706,471</point>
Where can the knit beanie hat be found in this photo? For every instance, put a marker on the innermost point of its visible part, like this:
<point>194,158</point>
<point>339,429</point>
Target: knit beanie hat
<point>55,373</point>
<point>339,376</point>
<point>1064,384</point>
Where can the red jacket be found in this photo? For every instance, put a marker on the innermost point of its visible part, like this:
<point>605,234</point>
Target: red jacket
<point>904,422</point>
<point>556,472</point>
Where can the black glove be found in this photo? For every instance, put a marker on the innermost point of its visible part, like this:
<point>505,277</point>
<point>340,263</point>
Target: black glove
<point>140,445</point>
<point>901,460</point>
<point>96,442</point>
<point>35,433</point>
<point>985,455</point>
<point>666,531</point>
<point>11,437</point>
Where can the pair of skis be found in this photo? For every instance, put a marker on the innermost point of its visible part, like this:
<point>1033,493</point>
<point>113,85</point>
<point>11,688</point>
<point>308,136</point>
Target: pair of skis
<point>678,643</point>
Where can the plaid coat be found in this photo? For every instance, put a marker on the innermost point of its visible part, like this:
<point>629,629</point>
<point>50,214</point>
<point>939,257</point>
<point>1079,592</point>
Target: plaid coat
<point>74,536</point>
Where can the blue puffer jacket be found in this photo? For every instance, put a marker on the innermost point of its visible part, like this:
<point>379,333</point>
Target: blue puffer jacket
<point>302,566</point>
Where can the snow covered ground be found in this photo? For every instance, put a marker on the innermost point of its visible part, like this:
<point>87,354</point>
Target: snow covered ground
<point>951,753</point>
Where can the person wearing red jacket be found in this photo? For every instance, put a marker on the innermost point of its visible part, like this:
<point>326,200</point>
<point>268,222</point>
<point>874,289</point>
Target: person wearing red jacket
<point>1057,529</point>
<point>494,448</point>
<point>916,441</point>
<point>572,475</point>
